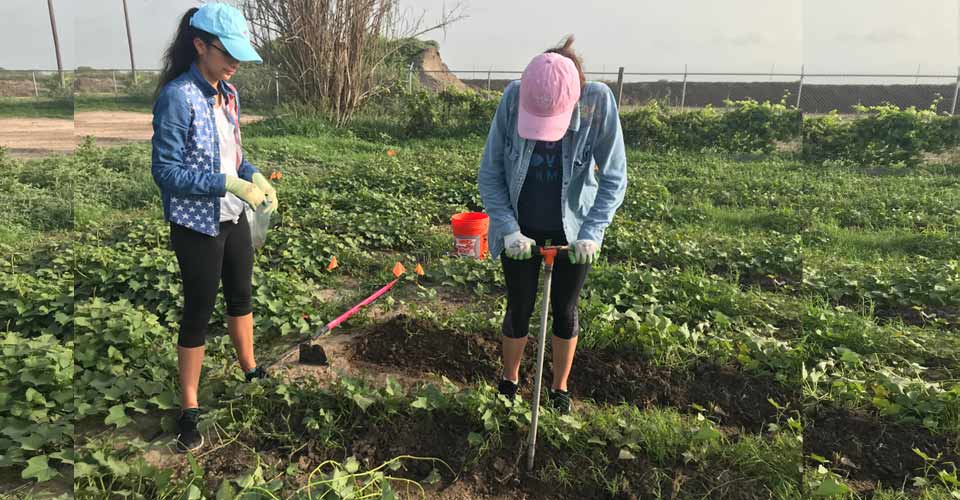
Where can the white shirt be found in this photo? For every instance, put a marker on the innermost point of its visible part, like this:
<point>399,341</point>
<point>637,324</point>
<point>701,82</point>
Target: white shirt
<point>230,206</point>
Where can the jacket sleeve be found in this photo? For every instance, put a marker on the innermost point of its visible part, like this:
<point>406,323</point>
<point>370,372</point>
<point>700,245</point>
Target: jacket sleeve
<point>247,170</point>
<point>610,155</point>
<point>171,123</point>
<point>492,178</point>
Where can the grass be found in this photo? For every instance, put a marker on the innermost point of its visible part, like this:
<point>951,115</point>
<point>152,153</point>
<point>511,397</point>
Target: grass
<point>854,244</point>
<point>685,280</point>
<point>44,107</point>
<point>36,107</point>
<point>136,104</point>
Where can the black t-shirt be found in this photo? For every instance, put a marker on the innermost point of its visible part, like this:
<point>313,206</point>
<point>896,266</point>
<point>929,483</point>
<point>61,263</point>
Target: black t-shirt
<point>539,204</point>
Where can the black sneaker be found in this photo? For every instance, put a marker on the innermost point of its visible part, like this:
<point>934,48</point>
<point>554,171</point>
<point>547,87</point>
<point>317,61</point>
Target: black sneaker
<point>560,401</point>
<point>189,438</point>
<point>256,373</point>
<point>508,388</point>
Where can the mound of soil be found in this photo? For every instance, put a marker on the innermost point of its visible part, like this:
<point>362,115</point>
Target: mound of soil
<point>734,397</point>
<point>879,452</point>
<point>414,346</point>
<point>868,451</point>
<point>434,74</point>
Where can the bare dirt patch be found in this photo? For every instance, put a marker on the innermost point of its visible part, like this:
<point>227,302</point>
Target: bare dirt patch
<point>39,137</point>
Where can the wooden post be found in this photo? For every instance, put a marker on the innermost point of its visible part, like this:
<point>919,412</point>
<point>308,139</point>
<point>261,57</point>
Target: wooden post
<point>800,87</point>
<point>278,86</point>
<point>36,89</point>
<point>116,91</point>
<point>619,86</point>
<point>410,78</point>
<point>126,18</point>
<point>683,91</point>
<point>488,80</point>
<point>956,91</point>
<point>56,43</point>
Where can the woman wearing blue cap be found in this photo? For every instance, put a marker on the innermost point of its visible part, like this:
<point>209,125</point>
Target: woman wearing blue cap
<point>204,181</point>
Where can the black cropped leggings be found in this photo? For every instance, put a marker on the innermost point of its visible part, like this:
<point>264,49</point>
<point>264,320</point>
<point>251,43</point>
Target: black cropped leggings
<point>205,262</point>
<point>523,280</point>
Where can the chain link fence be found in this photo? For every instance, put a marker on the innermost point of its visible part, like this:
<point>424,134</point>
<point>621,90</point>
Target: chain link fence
<point>35,83</point>
<point>811,93</point>
<point>797,118</point>
<point>262,85</point>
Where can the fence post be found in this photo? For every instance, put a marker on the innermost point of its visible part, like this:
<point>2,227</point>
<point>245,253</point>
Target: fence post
<point>277,80</point>
<point>683,91</point>
<point>619,86</point>
<point>36,89</point>
<point>410,78</point>
<point>956,90</point>
<point>488,79</point>
<point>800,87</point>
<point>115,90</point>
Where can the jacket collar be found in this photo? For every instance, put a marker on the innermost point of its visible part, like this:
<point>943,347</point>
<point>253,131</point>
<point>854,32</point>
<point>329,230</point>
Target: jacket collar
<point>575,118</point>
<point>205,86</point>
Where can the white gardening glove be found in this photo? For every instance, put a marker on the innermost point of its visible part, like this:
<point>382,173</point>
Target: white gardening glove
<point>517,246</point>
<point>584,252</point>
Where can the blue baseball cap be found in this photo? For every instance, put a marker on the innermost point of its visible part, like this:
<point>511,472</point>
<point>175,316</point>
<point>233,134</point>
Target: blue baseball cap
<point>228,24</point>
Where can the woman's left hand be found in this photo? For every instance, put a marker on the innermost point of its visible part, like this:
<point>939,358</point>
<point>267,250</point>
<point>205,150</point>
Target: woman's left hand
<point>270,194</point>
<point>584,252</point>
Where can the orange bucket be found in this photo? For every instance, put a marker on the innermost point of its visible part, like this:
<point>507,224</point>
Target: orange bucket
<point>470,234</point>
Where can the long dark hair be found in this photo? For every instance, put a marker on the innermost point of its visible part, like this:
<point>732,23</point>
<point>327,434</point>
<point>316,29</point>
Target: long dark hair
<point>565,48</point>
<point>181,53</point>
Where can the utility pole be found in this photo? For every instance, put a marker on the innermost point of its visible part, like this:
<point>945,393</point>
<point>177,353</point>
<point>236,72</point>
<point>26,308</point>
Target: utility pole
<point>56,43</point>
<point>126,18</point>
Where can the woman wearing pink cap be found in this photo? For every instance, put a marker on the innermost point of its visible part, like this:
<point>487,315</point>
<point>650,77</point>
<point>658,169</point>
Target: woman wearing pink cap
<point>554,171</point>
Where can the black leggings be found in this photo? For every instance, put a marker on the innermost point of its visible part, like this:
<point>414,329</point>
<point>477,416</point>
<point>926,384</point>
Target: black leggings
<point>205,261</point>
<point>523,280</point>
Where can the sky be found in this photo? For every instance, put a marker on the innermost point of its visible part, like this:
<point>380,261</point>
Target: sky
<point>826,36</point>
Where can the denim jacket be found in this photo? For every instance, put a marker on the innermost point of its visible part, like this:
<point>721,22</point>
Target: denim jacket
<point>594,167</point>
<point>186,151</point>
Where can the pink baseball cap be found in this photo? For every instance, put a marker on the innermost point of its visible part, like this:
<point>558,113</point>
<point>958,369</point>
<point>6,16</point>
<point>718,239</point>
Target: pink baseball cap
<point>549,91</point>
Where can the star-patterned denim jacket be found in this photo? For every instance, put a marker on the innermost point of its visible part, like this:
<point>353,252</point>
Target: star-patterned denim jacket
<point>186,151</point>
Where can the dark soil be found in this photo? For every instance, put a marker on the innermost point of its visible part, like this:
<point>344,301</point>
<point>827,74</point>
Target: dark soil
<point>735,398</point>
<point>874,451</point>
<point>949,316</point>
<point>498,473</point>
<point>230,462</point>
<point>607,377</point>
<point>417,346</point>
<point>881,452</point>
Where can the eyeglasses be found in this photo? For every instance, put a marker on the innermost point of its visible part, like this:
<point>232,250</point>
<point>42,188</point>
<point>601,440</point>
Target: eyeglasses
<point>221,49</point>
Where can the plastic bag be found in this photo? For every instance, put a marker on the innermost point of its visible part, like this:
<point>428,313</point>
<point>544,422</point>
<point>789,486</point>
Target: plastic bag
<point>259,222</point>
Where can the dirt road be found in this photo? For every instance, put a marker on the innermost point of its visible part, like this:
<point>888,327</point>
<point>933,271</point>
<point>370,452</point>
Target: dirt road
<point>39,137</point>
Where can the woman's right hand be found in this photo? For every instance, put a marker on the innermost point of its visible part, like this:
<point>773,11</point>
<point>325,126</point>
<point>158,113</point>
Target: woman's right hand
<point>517,246</point>
<point>246,191</point>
